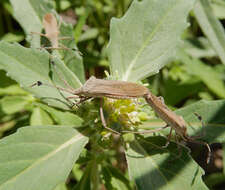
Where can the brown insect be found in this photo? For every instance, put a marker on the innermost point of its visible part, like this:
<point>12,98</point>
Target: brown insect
<point>52,31</point>
<point>127,90</point>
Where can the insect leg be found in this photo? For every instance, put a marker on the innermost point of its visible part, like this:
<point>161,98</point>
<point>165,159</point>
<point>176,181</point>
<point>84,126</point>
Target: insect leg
<point>40,34</point>
<point>66,48</point>
<point>179,145</point>
<point>66,38</point>
<point>61,76</point>
<point>39,83</point>
<point>207,146</point>
<point>103,120</point>
<point>169,137</point>
<point>200,119</point>
<point>146,131</point>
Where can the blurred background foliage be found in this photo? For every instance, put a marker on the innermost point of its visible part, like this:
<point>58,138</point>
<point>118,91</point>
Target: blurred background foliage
<point>196,74</point>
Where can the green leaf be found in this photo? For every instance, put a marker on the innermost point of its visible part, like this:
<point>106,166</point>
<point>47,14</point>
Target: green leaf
<point>40,117</point>
<point>12,37</point>
<point>145,39</point>
<point>198,47</point>
<point>63,118</point>
<point>12,90</point>
<point>154,167</point>
<point>77,171</point>
<point>211,27</point>
<point>38,157</point>
<point>29,14</point>
<point>89,34</point>
<point>13,104</point>
<point>6,126</point>
<point>5,80</point>
<point>27,66</point>
<point>114,179</point>
<point>183,90</point>
<point>61,186</point>
<point>218,7</point>
<point>207,74</point>
<point>80,24</point>
<point>72,58</point>
<point>85,182</point>
<point>214,179</point>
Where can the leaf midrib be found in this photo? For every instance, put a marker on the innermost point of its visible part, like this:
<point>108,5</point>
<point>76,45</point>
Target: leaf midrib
<point>52,153</point>
<point>149,38</point>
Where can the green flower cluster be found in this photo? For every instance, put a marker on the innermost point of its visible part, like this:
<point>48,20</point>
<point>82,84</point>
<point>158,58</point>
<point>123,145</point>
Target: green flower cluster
<point>125,112</point>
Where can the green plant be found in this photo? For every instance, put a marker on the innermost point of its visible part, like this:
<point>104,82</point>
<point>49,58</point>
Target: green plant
<point>141,43</point>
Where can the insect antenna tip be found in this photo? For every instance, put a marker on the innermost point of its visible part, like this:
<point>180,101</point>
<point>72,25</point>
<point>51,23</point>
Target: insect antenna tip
<point>39,83</point>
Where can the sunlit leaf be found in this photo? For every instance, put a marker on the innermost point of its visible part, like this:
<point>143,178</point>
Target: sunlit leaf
<point>154,167</point>
<point>63,117</point>
<point>39,157</point>
<point>145,38</point>
<point>40,117</point>
<point>27,66</point>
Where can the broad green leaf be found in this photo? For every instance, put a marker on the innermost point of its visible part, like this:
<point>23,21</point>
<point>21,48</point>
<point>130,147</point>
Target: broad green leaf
<point>145,39</point>
<point>207,74</point>
<point>211,27</point>
<point>29,14</point>
<point>38,157</point>
<point>154,167</point>
<point>27,66</point>
<point>40,117</point>
<point>13,104</point>
<point>63,117</point>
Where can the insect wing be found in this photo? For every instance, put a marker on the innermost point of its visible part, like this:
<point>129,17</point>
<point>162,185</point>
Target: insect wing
<point>113,88</point>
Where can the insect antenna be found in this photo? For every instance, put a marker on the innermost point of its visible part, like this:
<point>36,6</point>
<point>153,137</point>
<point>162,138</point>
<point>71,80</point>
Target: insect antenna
<point>203,124</point>
<point>192,139</point>
<point>209,155</point>
<point>61,76</point>
<point>39,83</point>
